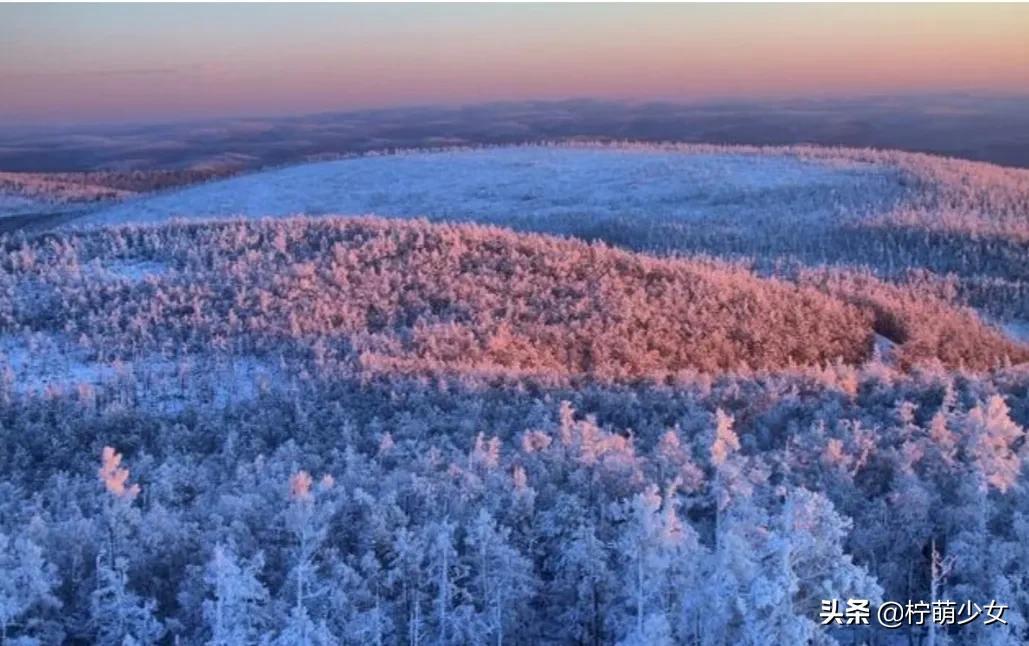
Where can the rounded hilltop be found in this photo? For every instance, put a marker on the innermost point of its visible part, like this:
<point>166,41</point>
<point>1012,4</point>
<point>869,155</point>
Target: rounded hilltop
<point>373,294</point>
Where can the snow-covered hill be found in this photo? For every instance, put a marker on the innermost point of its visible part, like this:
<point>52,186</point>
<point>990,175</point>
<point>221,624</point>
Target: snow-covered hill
<point>890,211</point>
<point>457,433</point>
<point>531,185</point>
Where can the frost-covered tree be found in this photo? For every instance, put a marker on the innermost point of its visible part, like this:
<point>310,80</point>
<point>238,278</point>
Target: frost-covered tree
<point>407,576</point>
<point>304,590</point>
<point>657,548</point>
<point>233,612</point>
<point>27,583</point>
<point>992,439</point>
<point>119,615</point>
<point>501,580</point>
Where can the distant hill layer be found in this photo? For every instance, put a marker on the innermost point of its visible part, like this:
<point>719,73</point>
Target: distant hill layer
<point>413,297</point>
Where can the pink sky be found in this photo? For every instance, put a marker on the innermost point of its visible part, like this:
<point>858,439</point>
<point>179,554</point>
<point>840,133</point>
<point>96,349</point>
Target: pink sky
<point>111,62</point>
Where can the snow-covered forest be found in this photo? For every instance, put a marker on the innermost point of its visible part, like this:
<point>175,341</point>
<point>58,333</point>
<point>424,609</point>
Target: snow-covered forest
<point>471,510</point>
<point>738,382</point>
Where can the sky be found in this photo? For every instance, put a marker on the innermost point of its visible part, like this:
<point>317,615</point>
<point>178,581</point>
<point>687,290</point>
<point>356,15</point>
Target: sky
<point>82,63</point>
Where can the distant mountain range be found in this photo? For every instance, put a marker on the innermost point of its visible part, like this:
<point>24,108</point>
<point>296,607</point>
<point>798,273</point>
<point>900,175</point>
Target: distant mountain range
<point>984,128</point>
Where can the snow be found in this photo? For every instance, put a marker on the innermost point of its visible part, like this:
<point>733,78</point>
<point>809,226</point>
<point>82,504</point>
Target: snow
<point>129,270</point>
<point>1017,330</point>
<point>530,186</point>
<point>884,350</point>
<point>42,362</point>
<point>14,204</point>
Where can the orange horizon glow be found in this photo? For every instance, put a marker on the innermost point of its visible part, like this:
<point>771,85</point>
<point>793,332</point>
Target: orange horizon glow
<point>110,62</point>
